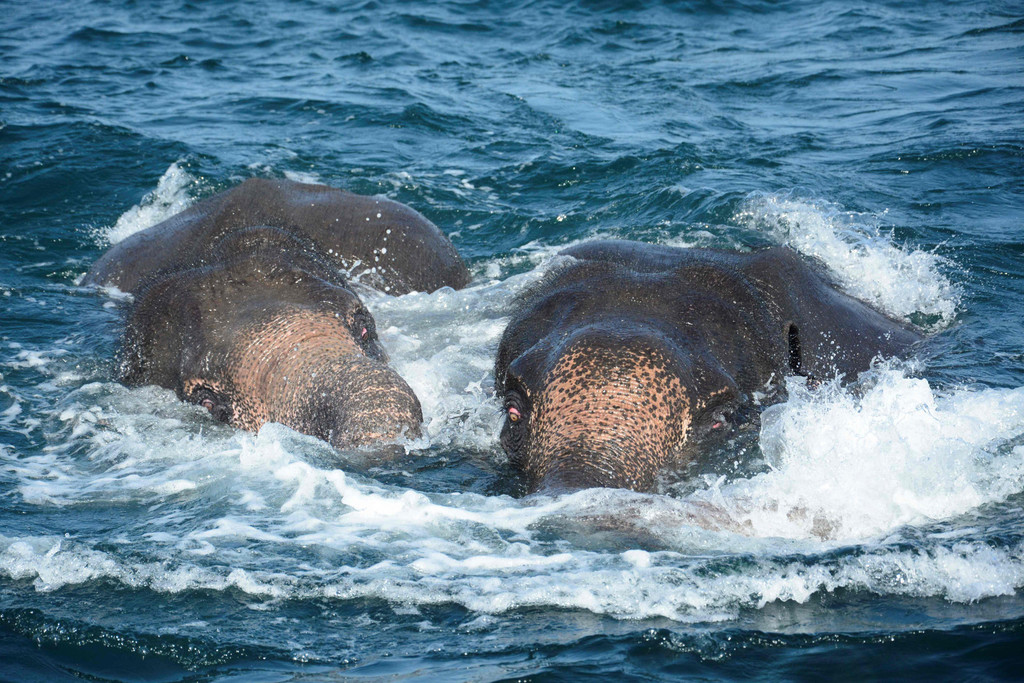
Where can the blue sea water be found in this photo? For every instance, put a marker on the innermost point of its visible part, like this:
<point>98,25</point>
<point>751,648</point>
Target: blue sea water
<point>871,531</point>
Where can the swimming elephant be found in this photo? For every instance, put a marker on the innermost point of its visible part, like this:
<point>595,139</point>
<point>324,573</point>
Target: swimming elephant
<point>240,307</point>
<point>621,360</point>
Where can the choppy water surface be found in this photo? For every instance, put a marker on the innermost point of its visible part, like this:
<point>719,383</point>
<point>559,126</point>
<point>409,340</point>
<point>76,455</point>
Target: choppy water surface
<point>874,529</point>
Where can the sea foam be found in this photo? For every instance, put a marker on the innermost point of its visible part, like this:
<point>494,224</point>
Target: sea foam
<point>170,196</point>
<point>900,281</point>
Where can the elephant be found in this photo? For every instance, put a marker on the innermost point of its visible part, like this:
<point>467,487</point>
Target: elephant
<point>240,306</point>
<point>630,355</point>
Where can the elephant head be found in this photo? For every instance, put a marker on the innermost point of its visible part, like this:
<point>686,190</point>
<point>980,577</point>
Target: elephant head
<point>265,330</point>
<point>630,354</point>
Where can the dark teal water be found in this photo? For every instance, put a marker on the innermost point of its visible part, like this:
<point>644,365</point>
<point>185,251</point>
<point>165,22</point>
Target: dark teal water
<point>860,533</point>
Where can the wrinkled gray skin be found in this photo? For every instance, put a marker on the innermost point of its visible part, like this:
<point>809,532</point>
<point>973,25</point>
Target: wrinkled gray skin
<point>240,307</point>
<point>631,354</point>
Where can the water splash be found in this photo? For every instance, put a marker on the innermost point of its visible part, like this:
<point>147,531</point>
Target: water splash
<point>171,196</point>
<point>848,464</point>
<point>900,281</point>
<point>845,466</point>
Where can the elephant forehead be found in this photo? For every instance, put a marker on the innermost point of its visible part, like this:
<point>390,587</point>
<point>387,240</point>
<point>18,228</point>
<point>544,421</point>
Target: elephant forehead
<point>239,294</point>
<point>614,385</point>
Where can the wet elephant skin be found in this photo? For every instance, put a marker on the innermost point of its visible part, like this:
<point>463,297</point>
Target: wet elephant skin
<point>628,352</point>
<point>388,245</point>
<point>240,307</point>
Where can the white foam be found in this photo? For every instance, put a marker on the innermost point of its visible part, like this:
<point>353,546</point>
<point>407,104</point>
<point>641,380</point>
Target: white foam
<point>307,177</point>
<point>899,281</point>
<point>504,576</point>
<point>493,554</point>
<point>36,358</point>
<point>171,196</point>
<point>848,466</point>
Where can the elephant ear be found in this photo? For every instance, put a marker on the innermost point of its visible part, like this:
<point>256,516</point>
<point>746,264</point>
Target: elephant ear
<point>827,332</point>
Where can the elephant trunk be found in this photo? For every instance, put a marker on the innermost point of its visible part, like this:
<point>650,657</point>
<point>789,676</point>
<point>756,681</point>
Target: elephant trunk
<point>321,382</point>
<point>607,417</point>
<point>376,404</point>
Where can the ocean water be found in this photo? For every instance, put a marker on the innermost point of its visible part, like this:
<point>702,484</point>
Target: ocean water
<point>874,530</point>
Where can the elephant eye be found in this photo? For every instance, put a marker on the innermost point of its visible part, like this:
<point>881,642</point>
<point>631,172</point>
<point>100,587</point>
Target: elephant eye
<point>514,432</point>
<point>362,325</point>
<point>218,405</point>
